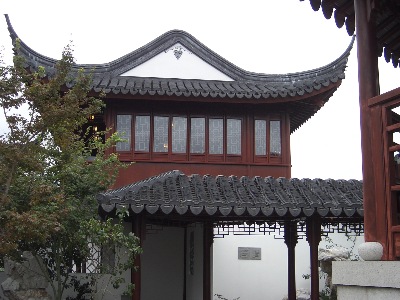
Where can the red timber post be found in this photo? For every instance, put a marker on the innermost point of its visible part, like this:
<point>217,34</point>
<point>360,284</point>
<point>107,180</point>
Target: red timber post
<point>208,236</point>
<point>291,241</point>
<point>314,238</point>
<point>138,229</point>
<point>372,151</point>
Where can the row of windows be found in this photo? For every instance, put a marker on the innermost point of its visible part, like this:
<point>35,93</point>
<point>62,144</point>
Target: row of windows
<point>196,135</point>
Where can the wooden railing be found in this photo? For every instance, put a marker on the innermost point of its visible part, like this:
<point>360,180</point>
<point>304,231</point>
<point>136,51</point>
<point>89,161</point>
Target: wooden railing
<point>386,126</point>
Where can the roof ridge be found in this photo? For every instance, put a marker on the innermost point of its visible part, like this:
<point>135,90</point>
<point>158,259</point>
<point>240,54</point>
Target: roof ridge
<point>170,38</point>
<point>227,195</point>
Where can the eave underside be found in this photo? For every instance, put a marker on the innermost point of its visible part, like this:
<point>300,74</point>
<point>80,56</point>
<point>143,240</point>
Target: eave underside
<point>386,14</point>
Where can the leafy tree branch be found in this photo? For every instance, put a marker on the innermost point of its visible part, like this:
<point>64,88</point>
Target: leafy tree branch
<point>47,192</point>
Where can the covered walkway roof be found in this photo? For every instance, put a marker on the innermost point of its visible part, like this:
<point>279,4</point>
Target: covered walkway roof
<point>174,195</point>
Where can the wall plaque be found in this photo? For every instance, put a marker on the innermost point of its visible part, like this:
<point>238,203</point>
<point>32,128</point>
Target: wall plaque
<point>249,253</point>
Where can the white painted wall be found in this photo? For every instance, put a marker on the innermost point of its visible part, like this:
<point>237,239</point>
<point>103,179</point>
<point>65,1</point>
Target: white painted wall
<point>264,279</point>
<point>162,264</point>
<point>163,274</point>
<point>186,66</point>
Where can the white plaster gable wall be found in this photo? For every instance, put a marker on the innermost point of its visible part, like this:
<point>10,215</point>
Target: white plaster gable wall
<point>177,62</point>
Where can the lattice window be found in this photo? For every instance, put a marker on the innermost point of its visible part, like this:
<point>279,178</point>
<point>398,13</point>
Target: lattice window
<point>160,134</point>
<point>276,229</point>
<point>233,136</point>
<point>179,134</point>
<point>275,144</point>
<point>91,263</point>
<point>260,136</point>
<point>222,229</point>
<point>142,133</point>
<point>216,136</point>
<point>197,135</point>
<point>124,129</point>
<point>100,260</point>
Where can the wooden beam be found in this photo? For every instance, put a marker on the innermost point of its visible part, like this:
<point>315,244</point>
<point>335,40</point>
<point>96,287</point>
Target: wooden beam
<point>393,127</point>
<point>290,232</point>
<point>394,148</point>
<point>386,98</point>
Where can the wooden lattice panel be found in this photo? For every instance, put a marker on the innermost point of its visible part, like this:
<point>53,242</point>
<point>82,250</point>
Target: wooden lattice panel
<point>396,244</point>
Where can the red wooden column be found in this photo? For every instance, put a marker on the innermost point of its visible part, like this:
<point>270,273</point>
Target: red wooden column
<point>138,227</point>
<point>291,241</point>
<point>208,236</point>
<point>313,238</point>
<point>368,79</point>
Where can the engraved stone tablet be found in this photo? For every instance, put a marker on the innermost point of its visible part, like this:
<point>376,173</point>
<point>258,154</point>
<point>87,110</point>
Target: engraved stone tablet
<point>249,253</point>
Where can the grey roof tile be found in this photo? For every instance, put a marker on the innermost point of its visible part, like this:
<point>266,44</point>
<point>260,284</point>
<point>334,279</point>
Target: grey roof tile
<point>109,71</point>
<point>221,196</point>
<point>245,85</point>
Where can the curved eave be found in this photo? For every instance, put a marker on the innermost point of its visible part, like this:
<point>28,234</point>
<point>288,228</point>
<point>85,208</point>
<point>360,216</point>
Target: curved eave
<point>300,106</point>
<point>305,92</point>
<point>387,20</point>
<point>173,194</point>
<point>112,70</point>
<point>194,88</point>
<point>33,58</point>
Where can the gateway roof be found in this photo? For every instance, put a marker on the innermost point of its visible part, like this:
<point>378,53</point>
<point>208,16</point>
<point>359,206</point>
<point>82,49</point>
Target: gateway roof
<point>174,193</point>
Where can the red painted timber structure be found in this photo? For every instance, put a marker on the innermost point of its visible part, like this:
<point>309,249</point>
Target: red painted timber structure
<point>377,27</point>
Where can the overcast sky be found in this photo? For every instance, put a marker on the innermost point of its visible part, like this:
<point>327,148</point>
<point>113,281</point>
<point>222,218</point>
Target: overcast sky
<point>269,36</point>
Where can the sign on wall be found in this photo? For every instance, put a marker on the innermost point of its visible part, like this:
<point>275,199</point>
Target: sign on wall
<point>191,253</point>
<point>249,253</point>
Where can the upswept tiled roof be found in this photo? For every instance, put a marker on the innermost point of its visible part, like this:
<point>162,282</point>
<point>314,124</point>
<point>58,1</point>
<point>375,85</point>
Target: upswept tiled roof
<point>174,192</point>
<point>386,17</point>
<point>248,85</point>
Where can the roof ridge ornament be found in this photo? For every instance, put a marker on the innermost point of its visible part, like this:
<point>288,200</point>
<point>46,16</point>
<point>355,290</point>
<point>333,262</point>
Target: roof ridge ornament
<point>178,50</point>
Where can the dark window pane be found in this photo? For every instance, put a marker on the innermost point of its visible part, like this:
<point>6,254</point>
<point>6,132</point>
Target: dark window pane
<point>216,136</point>
<point>142,133</point>
<point>260,137</point>
<point>179,134</point>
<point>234,136</point>
<point>197,135</point>
<point>275,147</point>
<point>124,129</point>
<point>160,134</point>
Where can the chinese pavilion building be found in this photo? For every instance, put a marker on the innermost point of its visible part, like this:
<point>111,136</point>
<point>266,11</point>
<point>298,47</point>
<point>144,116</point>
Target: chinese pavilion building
<point>211,146</point>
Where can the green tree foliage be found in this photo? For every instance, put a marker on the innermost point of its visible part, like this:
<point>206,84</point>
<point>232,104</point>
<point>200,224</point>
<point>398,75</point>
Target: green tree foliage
<point>48,184</point>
